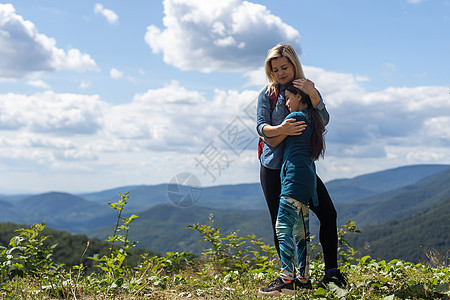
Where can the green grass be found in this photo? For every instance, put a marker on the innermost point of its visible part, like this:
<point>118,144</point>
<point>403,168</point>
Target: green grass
<point>231,267</point>
<point>157,278</point>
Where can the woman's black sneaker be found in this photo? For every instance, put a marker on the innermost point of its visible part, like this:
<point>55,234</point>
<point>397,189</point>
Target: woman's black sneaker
<point>276,287</point>
<point>336,277</point>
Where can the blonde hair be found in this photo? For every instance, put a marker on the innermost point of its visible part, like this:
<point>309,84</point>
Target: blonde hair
<point>281,50</point>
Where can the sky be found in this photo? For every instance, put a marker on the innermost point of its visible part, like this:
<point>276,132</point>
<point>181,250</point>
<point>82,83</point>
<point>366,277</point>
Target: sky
<point>97,95</point>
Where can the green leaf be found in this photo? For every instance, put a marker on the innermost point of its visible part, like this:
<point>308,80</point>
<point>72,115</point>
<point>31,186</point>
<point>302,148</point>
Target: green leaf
<point>393,262</point>
<point>132,217</point>
<point>119,282</point>
<point>382,263</point>
<point>320,292</point>
<point>365,258</point>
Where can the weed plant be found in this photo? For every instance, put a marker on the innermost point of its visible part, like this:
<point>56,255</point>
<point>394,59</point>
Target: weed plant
<point>231,267</point>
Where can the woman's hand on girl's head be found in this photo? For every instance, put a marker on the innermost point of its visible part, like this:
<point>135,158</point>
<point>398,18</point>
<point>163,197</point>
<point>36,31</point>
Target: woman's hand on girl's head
<point>306,85</point>
<point>292,127</point>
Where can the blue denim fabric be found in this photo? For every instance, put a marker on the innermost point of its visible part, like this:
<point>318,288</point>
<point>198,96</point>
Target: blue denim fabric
<point>271,157</point>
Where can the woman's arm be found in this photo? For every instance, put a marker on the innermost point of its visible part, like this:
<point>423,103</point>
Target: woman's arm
<point>263,110</point>
<point>264,126</point>
<point>274,141</point>
<point>291,118</point>
<point>309,88</point>
<point>322,110</point>
<point>288,127</point>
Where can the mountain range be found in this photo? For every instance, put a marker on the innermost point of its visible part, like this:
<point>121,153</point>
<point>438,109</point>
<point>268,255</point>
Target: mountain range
<point>382,204</point>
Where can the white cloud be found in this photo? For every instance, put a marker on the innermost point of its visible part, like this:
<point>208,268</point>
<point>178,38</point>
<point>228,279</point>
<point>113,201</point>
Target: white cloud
<point>341,87</point>
<point>376,123</point>
<point>414,1</point>
<point>73,60</point>
<point>164,118</point>
<point>256,77</point>
<point>116,74</point>
<point>39,152</point>
<point>160,119</point>
<point>229,35</point>
<point>48,112</point>
<point>110,15</point>
<point>163,131</point>
<point>39,84</point>
<point>24,51</point>
<point>438,128</point>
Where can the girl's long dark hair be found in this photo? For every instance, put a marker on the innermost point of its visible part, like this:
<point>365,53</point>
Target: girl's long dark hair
<point>318,128</point>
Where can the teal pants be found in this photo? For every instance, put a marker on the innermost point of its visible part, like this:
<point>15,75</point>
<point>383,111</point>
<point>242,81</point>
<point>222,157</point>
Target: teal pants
<point>292,229</point>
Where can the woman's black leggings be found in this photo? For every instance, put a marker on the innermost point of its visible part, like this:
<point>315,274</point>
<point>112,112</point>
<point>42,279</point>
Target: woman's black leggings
<point>325,211</point>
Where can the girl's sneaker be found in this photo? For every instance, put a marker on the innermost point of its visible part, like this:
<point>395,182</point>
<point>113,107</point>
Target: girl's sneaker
<point>302,283</point>
<point>278,286</point>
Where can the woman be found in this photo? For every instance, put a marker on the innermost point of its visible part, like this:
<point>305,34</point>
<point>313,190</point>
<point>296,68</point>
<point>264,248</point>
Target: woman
<point>282,66</point>
<point>298,190</point>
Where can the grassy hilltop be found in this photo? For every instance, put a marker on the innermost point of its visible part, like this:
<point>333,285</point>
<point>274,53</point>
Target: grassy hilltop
<point>231,267</point>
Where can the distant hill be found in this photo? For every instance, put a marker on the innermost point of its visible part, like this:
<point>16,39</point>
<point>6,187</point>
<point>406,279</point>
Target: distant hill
<point>55,203</point>
<point>8,212</point>
<point>397,203</point>
<point>59,210</point>
<point>143,197</point>
<point>12,198</point>
<point>410,237</point>
<point>250,196</point>
<point>342,190</point>
<point>244,196</point>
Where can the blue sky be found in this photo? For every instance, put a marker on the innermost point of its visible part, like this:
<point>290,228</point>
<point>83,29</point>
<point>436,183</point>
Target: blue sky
<point>95,95</point>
